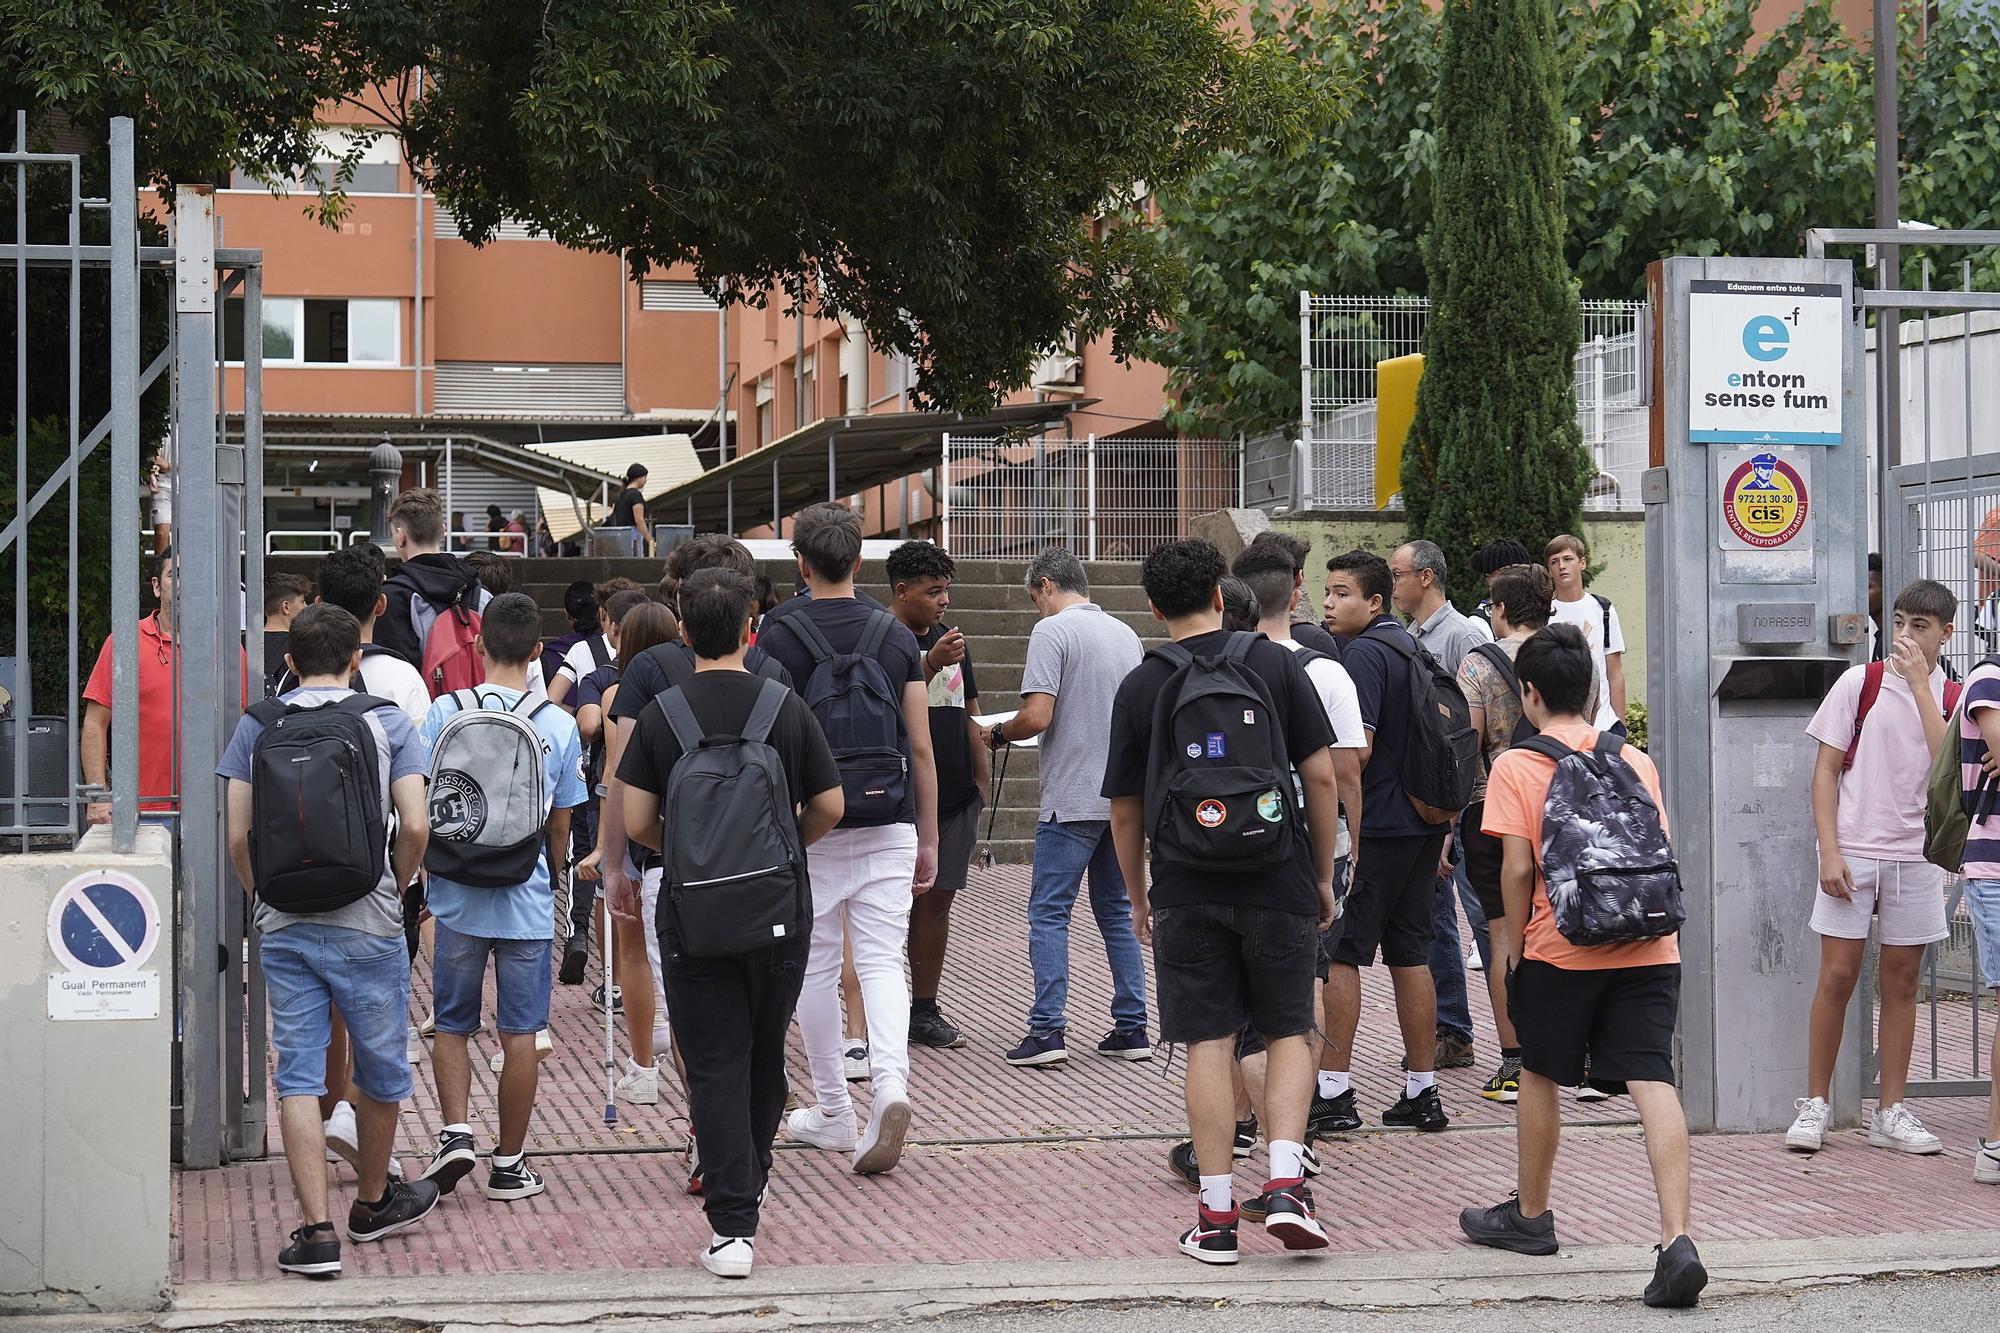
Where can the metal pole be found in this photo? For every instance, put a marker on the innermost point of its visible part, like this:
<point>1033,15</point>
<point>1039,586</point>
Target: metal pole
<point>1888,261</point>
<point>252,538</point>
<point>1090,494</point>
<point>832,480</point>
<point>19,777</point>
<point>777,529</point>
<point>722,388</point>
<point>729,503</point>
<point>124,773</point>
<point>944,494</point>
<point>449,538</point>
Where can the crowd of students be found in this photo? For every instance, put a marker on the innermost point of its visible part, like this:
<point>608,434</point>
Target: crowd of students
<point>741,800</point>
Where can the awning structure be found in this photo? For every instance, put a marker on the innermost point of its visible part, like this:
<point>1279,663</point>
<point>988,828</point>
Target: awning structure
<point>521,462</point>
<point>835,457</point>
<point>669,461</point>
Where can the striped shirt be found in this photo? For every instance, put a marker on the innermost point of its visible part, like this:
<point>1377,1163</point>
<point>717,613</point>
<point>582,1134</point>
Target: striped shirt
<point>1982,844</point>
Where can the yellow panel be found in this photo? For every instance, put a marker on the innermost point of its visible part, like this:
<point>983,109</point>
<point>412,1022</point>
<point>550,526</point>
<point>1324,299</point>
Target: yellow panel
<point>1395,408</point>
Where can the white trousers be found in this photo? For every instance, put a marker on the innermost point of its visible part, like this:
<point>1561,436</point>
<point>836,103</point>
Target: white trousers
<point>649,898</point>
<point>861,882</point>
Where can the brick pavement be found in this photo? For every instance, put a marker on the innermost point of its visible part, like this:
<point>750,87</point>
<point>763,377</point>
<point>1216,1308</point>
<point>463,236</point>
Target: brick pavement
<point>1089,1182</point>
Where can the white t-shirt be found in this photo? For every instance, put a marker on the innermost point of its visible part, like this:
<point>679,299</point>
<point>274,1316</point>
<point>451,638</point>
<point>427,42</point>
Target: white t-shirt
<point>1343,712</point>
<point>578,661</point>
<point>387,676</point>
<point>1588,615</point>
<point>1881,812</point>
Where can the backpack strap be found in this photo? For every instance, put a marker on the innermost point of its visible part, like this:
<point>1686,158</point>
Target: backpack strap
<point>872,638</point>
<point>1609,743</point>
<point>1549,747</point>
<point>810,635</point>
<point>1604,605</point>
<point>361,704</point>
<point>1175,655</point>
<point>687,727</point>
<point>1237,649</point>
<point>599,654</point>
<point>531,713</point>
<point>267,711</point>
<point>764,713</point>
<point>1407,654</point>
<point>760,663</point>
<point>1503,664</point>
<point>1953,691</point>
<point>1871,690</point>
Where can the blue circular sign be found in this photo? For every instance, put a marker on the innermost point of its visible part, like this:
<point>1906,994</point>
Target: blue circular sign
<point>103,921</point>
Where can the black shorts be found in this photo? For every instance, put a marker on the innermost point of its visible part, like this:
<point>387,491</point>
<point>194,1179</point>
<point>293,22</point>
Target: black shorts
<point>1220,967</point>
<point>1482,857</point>
<point>958,835</point>
<point>1621,1018</point>
<point>1393,904</point>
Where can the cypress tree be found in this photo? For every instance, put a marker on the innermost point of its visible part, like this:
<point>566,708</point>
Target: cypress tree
<point>1495,450</point>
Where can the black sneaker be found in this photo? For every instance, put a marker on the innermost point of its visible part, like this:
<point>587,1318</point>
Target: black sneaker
<point>617,998</point>
<point>1504,1228</point>
<point>1180,1161</point>
<point>576,956</point>
<point>928,1027</point>
<point>1332,1115</point>
<point>1212,1239</point>
<point>1246,1137</point>
<point>1678,1277</point>
<point>1423,1111</point>
<point>314,1251</point>
<point>405,1205</point>
<point>1126,1044</point>
<point>451,1162</point>
<point>518,1181</point>
<point>1288,1214</point>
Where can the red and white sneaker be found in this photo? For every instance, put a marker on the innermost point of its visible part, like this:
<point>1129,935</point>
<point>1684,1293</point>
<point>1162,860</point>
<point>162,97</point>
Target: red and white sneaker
<point>1212,1239</point>
<point>1288,1215</point>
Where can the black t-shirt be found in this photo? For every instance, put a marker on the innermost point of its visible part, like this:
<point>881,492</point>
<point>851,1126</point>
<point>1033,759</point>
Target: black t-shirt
<point>622,513</point>
<point>951,745</point>
<point>659,669</point>
<point>1381,682</point>
<point>721,701</point>
<point>1315,636</point>
<point>843,620</point>
<point>1300,717</point>
<point>277,642</point>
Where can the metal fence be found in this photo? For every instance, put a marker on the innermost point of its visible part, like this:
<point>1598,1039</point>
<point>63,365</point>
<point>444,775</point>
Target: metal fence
<point>1106,499</point>
<point>1342,339</point>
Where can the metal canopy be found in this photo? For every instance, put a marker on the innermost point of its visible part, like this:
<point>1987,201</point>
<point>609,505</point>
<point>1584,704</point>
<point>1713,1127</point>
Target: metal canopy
<point>835,457</point>
<point>520,462</point>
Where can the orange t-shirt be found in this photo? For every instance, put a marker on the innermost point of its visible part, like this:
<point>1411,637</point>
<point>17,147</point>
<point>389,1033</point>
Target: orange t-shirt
<point>1516,791</point>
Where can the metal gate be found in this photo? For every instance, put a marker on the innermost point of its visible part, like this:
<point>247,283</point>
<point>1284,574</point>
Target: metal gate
<point>1935,424</point>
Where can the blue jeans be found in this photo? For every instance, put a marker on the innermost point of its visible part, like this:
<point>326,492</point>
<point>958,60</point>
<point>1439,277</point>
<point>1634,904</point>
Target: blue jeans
<point>1063,853</point>
<point>520,982</point>
<point>1468,898</point>
<point>1448,964</point>
<point>309,971</point>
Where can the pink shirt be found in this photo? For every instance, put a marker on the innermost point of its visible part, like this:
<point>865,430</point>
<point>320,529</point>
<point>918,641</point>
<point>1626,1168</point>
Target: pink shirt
<point>1882,797</point>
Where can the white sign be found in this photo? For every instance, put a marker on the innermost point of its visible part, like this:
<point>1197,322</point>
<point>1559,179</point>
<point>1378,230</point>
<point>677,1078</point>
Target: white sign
<point>1764,362</point>
<point>95,996</point>
<point>103,921</point>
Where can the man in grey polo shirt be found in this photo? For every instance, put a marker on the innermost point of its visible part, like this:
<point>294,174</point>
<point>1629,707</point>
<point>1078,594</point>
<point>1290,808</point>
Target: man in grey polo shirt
<point>1077,657</point>
<point>1417,570</point>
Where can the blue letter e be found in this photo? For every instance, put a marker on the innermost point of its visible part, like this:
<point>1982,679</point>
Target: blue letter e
<point>1765,337</point>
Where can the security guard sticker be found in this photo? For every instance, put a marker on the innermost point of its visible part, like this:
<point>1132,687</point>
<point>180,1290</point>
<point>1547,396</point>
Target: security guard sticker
<point>1210,814</point>
<point>1764,502</point>
<point>1271,807</point>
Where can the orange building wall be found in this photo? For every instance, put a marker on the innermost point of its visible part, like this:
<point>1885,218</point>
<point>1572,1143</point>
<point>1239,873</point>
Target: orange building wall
<point>526,301</point>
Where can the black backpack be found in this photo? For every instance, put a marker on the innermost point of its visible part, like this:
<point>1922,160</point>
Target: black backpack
<point>1494,653</point>
<point>1315,637</point>
<point>735,866</point>
<point>676,662</point>
<point>861,713</point>
<point>1218,779</point>
<point>1440,757</point>
<point>318,836</point>
<point>1609,870</point>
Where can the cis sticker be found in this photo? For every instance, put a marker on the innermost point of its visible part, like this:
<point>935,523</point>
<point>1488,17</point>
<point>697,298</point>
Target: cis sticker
<point>1210,814</point>
<point>1764,502</point>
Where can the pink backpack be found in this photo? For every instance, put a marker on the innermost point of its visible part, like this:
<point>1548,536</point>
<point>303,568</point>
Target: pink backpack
<point>451,657</point>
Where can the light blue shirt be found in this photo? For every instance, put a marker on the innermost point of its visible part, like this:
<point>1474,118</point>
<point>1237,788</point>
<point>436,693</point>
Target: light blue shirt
<point>526,911</point>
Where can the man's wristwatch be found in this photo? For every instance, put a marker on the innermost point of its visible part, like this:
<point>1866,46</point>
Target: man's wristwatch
<point>995,739</point>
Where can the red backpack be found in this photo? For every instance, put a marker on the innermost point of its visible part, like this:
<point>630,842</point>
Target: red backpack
<point>451,657</point>
<point>1871,689</point>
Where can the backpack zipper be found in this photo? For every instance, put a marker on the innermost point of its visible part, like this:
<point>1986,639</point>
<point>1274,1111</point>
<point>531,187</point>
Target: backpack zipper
<point>731,879</point>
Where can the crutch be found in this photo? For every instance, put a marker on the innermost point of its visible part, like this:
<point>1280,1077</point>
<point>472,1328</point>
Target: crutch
<point>610,1018</point>
<point>999,786</point>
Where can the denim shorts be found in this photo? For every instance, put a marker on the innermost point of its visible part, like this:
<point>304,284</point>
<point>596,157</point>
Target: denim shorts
<point>1982,902</point>
<point>1221,966</point>
<point>310,971</point>
<point>521,981</point>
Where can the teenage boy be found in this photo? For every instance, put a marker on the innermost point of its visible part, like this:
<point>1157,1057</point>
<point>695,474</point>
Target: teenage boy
<point>1878,729</point>
<point>589,652</point>
<point>592,728</point>
<point>920,578</point>
<point>284,597</point>
<point>1231,948</point>
<point>581,611</point>
<point>1391,905</point>
<point>350,959</point>
<point>428,582</point>
<point>1979,743</point>
<point>730,1015</point>
<point>864,872</point>
<point>511,924</point>
<point>1305,629</point>
<point>351,580</point>
<point>1613,1005</point>
<point>1597,619</point>
<point>1078,655</point>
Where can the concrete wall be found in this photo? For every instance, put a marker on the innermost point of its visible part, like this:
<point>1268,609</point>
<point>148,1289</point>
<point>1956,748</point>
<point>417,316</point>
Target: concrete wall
<point>86,1202</point>
<point>1617,550</point>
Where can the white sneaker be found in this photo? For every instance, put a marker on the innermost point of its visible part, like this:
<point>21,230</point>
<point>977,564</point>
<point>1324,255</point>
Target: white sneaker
<point>729,1256</point>
<point>1897,1127</point>
<point>835,1133</point>
<point>413,1046</point>
<point>429,1027</point>
<point>545,1045</point>
<point>854,1054</point>
<point>343,1141</point>
<point>641,1083</point>
<point>1986,1163</point>
<point>1472,963</point>
<point>1808,1132</point>
<point>888,1125</point>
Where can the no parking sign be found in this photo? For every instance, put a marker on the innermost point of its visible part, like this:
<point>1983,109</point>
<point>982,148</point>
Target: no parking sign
<point>103,929</point>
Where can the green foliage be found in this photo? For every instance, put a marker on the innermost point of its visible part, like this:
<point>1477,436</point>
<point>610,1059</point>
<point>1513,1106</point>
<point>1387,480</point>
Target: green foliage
<point>949,171</point>
<point>1685,134</point>
<point>1495,448</point>
<point>1635,723</point>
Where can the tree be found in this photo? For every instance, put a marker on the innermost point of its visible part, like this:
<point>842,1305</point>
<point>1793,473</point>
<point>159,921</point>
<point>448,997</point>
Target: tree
<point>933,167</point>
<point>1495,447</point>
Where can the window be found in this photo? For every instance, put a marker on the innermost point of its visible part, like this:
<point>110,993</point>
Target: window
<point>377,171</point>
<point>318,332</point>
<point>767,409</point>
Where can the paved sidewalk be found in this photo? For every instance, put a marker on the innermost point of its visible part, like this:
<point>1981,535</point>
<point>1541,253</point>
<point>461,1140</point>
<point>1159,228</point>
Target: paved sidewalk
<point>1065,1164</point>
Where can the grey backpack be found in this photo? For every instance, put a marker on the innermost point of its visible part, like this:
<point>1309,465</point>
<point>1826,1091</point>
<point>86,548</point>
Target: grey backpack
<point>486,795</point>
<point>735,867</point>
<point>1606,863</point>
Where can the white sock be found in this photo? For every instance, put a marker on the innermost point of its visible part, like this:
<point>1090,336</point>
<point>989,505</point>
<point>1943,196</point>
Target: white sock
<point>1287,1160</point>
<point>1414,1083</point>
<point>459,1129</point>
<point>502,1163</point>
<point>1331,1084</point>
<point>1215,1195</point>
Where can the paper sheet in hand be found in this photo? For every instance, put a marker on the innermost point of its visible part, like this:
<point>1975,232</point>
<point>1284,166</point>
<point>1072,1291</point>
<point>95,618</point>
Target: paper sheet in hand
<point>995,719</point>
